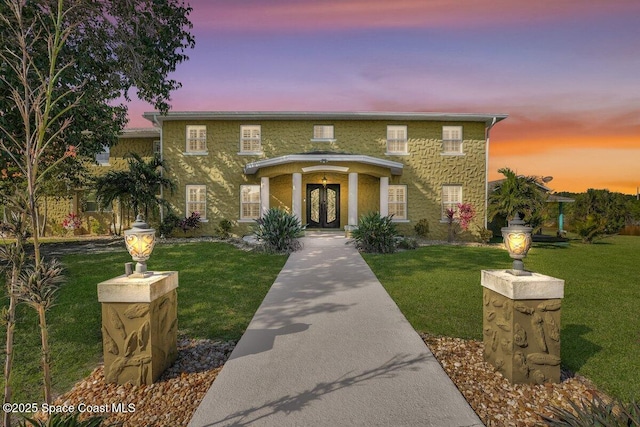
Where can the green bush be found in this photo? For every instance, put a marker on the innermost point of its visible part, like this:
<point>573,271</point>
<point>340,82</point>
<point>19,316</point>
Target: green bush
<point>168,224</point>
<point>279,231</point>
<point>407,243</point>
<point>422,228</point>
<point>596,412</point>
<point>375,234</point>
<point>224,228</point>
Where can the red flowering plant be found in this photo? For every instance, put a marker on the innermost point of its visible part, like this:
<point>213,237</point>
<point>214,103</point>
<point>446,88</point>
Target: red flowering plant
<point>466,213</point>
<point>71,222</point>
<point>463,214</point>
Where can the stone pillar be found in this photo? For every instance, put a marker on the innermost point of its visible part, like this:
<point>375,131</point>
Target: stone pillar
<point>384,196</point>
<point>521,325</point>
<point>296,195</point>
<point>352,217</point>
<point>139,327</point>
<point>264,195</point>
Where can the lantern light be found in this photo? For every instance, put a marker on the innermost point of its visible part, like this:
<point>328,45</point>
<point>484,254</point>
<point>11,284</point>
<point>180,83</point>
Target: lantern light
<point>324,181</point>
<point>140,240</point>
<point>517,240</point>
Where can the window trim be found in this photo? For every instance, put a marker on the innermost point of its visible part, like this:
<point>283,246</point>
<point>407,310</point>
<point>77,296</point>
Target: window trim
<point>443,216</point>
<point>397,140</point>
<point>243,139</point>
<point>188,202</point>
<point>459,142</point>
<point>332,138</point>
<point>187,149</point>
<point>244,218</point>
<point>404,203</point>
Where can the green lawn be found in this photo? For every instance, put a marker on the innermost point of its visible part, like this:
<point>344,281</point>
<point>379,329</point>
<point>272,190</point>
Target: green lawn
<point>438,289</point>
<point>220,289</point>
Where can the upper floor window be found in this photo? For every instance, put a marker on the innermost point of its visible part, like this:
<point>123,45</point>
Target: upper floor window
<point>102,158</point>
<point>397,139</point>
<point>249,201</point>
<point>398,201</point>
<point>250,141</point>
<point>196,139</point>
<point>196,200</point>
<point>323,132</point>
<point>452,139</point>
<point>451,198</point>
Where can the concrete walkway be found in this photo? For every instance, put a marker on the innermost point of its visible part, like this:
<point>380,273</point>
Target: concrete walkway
<point>329,347</point>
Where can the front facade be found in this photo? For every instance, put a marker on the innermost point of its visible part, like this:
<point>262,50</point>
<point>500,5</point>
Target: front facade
<point>328,169</point>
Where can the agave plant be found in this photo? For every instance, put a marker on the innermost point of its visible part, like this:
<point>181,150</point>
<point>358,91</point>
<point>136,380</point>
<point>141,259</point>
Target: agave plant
<point>595,412</point>
<point>63,420</point>
<point>279,231</point>
<point>375,234</point>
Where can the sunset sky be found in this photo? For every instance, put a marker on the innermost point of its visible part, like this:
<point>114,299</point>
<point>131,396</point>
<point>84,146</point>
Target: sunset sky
<point>566,71</point>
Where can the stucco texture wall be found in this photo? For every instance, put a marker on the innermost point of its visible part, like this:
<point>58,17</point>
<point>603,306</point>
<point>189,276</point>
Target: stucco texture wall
<point>93,222</point>
<point>426,169</point>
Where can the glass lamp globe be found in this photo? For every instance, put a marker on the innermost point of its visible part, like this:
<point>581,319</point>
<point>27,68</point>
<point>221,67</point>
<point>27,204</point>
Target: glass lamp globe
<point>517,240</point>
<point>140,240</point>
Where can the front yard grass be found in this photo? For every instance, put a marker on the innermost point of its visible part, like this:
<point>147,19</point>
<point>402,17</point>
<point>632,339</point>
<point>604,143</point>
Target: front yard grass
<point>438,290</point>
<point>220,289</point>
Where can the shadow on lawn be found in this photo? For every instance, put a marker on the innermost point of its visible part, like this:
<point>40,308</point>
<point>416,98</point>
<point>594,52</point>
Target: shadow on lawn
<point>577,348</point>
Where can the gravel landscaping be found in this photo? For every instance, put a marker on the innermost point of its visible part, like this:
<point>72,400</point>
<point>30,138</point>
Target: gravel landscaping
<point>172,400</point>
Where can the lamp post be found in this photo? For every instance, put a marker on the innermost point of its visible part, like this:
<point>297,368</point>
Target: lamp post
<point>517,239</point>
<point>140,240</point>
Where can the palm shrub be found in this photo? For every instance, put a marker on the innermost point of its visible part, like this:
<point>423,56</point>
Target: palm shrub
<point>422,228</point>
<point>279,231</point>
<point>375,234</point>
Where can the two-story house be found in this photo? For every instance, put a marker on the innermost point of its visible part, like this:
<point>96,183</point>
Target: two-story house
<point>327,168</point>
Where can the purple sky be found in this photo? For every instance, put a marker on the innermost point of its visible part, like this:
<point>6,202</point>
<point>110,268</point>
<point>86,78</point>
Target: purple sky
<point>566,71</point>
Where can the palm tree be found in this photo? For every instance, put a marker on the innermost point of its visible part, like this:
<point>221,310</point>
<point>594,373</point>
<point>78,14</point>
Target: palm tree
<point>137,188</point>
<point>518,194</point>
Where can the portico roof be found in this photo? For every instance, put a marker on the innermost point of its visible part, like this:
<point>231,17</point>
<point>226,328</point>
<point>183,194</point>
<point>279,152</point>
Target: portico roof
<point>323,158</point>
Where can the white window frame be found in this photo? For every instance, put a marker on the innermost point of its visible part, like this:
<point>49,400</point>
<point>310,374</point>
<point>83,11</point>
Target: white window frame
<point>451,197</point>
<point>102,158</point>
<point>194,205</point>
<point>397,139</point>
<point>196,144</point>
<point>452,140</point>
<point>323,133</point>
<point>397,202</point>
<point>252,204</point>
<point>251,143</point>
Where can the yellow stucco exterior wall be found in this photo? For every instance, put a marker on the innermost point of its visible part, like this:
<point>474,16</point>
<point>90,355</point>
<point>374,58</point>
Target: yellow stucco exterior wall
<point>426,169</point>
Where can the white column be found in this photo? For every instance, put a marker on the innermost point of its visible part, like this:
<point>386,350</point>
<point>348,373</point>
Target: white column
<point>353,199</point>
<point>264,194</point>
<point>384,196</point>
<point>296,195</point>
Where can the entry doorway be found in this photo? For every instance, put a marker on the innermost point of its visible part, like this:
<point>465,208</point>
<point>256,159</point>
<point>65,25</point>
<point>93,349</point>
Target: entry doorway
<point>323,206</point>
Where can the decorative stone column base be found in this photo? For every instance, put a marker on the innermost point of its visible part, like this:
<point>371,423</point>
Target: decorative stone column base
<point>521,325</point>
<point>139,327</point>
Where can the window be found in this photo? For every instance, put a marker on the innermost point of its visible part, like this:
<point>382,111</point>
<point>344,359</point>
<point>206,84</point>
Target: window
<point>102,158</point>
<point>157,149</point>
<point>249,201</point>
<point>398,201</point>
<point>397,139</point>
<point>451,197</point>
<point>452,139</point>
<point>196,139</point>
<point>322,132</point>
<point>250,139</point>
<point>196,200</point>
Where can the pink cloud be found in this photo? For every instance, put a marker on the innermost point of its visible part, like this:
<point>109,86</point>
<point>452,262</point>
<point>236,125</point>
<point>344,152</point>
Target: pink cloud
<point>295,15</point>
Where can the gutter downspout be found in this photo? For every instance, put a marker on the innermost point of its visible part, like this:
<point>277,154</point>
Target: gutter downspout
<point>157,124</point>
<point>486,172</point>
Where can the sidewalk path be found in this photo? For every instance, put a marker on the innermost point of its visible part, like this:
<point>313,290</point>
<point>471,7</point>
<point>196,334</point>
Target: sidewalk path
<point>329,347</point>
